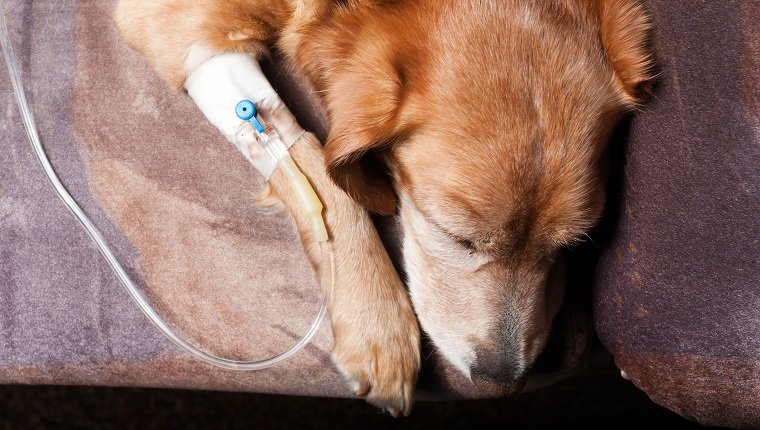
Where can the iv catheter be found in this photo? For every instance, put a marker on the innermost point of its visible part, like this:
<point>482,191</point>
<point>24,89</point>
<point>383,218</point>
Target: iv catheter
<point>265,136</point>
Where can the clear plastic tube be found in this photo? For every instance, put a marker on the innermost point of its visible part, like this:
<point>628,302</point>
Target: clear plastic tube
<point>121,274</point>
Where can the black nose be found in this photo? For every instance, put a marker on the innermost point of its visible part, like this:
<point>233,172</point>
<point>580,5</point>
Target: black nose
<point>502,367</point>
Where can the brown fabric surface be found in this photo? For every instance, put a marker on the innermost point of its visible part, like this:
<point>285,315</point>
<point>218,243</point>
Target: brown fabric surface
<point>716,390</point>
<point>677,298</point>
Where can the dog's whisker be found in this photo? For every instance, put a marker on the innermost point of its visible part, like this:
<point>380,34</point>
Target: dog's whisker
<point>432,351</point>
<point>590,240</point>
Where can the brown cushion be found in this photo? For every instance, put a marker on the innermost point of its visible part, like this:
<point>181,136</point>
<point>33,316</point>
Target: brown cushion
<point>677,298</point>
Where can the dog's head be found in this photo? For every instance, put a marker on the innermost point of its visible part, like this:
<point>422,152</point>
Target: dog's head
<point>491,122</point>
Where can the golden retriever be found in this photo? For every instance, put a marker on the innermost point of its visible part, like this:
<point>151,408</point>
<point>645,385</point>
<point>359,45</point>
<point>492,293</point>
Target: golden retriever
<point>484,123</point>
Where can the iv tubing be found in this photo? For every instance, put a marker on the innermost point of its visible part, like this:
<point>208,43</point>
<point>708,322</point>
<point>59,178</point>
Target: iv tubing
<point>71,204</point>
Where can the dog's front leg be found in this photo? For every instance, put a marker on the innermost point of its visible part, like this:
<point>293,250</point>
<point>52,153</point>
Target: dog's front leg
<point>377,337</point>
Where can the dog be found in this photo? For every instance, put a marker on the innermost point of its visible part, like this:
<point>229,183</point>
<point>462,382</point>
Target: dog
<point>483,124</point>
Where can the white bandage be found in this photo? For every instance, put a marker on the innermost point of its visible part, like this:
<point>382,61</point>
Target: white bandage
<point>221,82</point>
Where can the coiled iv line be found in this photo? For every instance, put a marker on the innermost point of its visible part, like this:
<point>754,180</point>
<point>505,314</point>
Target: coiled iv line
<point>288,167</point>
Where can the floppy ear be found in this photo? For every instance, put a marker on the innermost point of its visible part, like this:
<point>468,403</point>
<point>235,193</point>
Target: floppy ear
<point>624,30</point>
<point>364,120</point>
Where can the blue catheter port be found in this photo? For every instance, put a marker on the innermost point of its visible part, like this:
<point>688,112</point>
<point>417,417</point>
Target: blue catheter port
<point>246,111</point>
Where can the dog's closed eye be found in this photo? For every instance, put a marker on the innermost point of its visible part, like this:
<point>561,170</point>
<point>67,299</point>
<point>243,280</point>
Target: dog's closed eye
<point>483,244</point>
<point>465,243</point>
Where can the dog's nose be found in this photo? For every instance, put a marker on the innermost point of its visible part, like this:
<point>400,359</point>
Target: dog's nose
<point>498,370</point>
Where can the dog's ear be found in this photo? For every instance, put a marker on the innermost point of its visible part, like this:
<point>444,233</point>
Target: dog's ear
<point>364,122</point>
<point>624,28</point>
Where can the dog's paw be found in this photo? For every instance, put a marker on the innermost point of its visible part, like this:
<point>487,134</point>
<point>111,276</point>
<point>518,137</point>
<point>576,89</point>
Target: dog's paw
<point>378,351</point>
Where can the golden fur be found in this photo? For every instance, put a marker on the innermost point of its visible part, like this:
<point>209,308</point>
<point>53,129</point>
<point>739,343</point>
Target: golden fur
<point>484,123</point>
